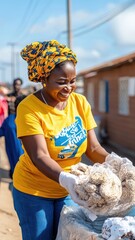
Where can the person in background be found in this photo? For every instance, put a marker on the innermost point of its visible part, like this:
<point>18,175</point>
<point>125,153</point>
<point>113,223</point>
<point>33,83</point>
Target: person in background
<point>13,145</point>
<point>11,97</point>
<point>56,127</point>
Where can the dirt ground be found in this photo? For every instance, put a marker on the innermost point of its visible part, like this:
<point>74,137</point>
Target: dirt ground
<point>9,226</point>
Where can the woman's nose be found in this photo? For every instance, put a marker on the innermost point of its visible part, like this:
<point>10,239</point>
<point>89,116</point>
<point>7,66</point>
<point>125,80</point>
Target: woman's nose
<point>68,87</point>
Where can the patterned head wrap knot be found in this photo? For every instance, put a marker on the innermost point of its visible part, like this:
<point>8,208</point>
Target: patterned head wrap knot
<point>42,57</point>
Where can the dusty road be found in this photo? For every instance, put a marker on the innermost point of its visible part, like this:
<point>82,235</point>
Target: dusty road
<point>9,227</point>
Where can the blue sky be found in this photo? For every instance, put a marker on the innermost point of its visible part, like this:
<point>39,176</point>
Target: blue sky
<point>95,38</point>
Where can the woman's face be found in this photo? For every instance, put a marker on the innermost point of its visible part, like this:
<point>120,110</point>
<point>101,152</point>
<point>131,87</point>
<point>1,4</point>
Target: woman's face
<point>17,85</point>
<point>61,82</point>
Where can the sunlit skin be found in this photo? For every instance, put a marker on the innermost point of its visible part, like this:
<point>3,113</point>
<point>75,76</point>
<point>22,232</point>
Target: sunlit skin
<point>60,84</point>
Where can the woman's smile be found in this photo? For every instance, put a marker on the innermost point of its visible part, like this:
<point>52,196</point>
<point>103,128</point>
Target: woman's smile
<point>65,95</point>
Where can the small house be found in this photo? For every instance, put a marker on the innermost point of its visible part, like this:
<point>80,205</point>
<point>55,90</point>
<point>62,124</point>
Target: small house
<point>110,89</point>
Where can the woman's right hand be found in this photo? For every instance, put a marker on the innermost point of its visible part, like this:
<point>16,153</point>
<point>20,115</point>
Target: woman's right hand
<point>68,181</point>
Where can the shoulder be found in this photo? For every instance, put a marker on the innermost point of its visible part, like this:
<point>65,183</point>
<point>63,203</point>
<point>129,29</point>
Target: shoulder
<point>30,104</point>
<point>79,98</point>
<point>26,101</point>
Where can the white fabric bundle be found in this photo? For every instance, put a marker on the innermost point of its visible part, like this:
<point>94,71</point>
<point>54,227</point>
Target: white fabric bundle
<point>125,171</point>
<point>98,186</point>
<point>119,228</point>
<point>108,188</point>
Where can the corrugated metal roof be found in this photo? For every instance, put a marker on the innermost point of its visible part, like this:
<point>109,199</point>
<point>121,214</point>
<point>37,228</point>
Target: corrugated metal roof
<point>110,64</point>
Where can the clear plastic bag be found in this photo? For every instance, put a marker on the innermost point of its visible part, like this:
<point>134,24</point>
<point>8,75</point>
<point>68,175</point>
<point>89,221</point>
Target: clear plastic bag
<point>100,188</point>
<point>125,171</point>
<point>108,188</point>
<point>75,224</point>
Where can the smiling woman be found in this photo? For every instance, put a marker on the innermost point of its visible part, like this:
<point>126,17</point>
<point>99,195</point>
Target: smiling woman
<point>59,85</point>
<point>56,127</point>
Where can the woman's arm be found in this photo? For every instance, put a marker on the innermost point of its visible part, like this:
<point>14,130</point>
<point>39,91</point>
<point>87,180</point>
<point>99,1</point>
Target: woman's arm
<point>95,152</point>
<point>36,148</point>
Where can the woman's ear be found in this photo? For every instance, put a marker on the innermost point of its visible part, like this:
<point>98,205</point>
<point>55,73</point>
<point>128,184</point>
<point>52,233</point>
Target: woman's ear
<point>43,81</point>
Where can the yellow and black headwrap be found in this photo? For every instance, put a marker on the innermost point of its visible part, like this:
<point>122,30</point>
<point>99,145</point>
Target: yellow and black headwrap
<point>42,57</point>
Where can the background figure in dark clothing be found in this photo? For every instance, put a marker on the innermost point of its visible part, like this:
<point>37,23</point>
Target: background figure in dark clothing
<point>17,91</point>
<point>12,143</point>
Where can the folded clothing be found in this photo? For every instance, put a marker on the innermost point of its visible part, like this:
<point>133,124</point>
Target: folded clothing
<point>119,228</point>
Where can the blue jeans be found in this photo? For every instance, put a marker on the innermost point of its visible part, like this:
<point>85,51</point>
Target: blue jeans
<point>38,216</point>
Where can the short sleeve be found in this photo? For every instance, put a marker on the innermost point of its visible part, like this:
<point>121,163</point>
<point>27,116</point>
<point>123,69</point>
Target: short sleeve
<point>89,118</point>
<point>27,121</point>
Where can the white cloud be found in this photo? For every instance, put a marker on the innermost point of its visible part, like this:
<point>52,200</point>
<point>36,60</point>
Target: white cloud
<point>124,29</point>
<point>81,17</point>
<point>55,25</point>
<point>85,54</point>
<point>50,26</point>
<point>111,5</point>
<point>95,54</point>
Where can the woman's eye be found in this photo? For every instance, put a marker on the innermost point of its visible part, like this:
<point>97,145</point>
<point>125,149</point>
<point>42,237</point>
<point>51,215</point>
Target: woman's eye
<point>64,83</point>
<point>61,83</point>
<point>73,81</point>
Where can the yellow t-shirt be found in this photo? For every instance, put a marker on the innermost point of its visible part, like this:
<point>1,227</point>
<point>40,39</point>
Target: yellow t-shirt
<point>65,132</point>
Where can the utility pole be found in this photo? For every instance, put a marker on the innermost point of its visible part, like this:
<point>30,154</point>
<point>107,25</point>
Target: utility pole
<point>17,65</point>
<point>2,74</point>
<point>3,66</point>
<point>69,23</point>
<point>12,60</point>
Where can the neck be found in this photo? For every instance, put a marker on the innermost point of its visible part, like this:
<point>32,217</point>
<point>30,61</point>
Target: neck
<point>43,98</point>
<point>58,105</point>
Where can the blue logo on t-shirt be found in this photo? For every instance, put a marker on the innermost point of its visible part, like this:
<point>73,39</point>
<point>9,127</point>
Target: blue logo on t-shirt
<point>71,138</point>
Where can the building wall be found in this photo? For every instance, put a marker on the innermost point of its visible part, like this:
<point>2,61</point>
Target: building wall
<point>121,128</point>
